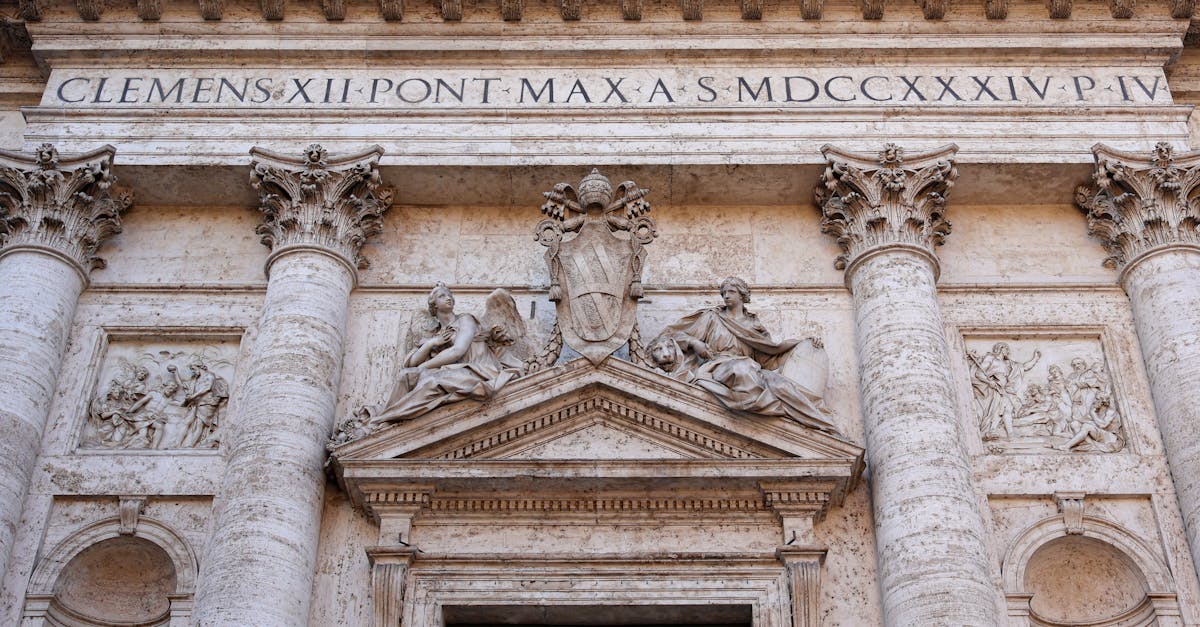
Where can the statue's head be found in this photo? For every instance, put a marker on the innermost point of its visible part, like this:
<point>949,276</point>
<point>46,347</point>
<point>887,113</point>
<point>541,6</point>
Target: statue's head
<point>1001,349</point>
<point>735,284</point>
<point>440,297</point>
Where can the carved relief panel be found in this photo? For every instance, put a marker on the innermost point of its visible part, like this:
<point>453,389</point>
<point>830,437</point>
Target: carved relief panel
<point>160,393</point>
<point>1050,394</point>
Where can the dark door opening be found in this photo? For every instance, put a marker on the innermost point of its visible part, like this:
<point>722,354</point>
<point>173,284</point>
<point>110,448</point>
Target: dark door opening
<point>597,615</point>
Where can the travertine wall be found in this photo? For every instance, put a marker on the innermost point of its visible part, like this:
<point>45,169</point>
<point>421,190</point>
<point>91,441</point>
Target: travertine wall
<point>1020,271</point>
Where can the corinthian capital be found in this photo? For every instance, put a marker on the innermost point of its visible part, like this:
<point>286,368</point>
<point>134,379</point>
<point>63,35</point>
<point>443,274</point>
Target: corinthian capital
<point>314,201</point>
<point>1137,203</point>
<point>870,202</point>
<point>63,206</point>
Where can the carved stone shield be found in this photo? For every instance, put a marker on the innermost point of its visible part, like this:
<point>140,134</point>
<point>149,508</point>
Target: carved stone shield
<point>596,275</point>
<point>597,315</point>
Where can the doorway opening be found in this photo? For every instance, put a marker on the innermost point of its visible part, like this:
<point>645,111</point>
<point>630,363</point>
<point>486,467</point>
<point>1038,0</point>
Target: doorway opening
<point>597,615</point>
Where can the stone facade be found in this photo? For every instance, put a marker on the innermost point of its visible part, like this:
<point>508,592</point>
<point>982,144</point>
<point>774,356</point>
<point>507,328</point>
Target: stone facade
<point>390,336</point>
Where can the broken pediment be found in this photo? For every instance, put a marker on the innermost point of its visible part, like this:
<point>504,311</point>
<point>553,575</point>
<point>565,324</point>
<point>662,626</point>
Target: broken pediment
<point>609,438</point>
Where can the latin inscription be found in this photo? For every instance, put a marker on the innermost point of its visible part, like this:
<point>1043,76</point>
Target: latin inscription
<point>639,88</point>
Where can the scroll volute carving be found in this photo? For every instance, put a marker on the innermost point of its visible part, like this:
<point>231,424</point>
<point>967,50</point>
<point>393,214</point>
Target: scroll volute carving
<point>871,201</point>
<point>66,205</point>
<point>1137,202</point>
<point>316,201</point>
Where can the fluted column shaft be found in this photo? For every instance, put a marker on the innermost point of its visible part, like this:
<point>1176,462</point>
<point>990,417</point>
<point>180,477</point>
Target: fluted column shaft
<point>54,213</point>
<point>887,214</point>
<point>317,213</point>
<point>265,538</point>
<point>1141,207</point>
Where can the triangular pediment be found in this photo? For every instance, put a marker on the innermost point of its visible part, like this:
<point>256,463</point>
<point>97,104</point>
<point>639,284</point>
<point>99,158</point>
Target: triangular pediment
<point>607,440</point>
<point>613,411</point>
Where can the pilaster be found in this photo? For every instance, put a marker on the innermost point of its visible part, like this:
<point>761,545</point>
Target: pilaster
<point>317,213</point>
<point>55,212</point>
<point>1142,209</point>
<point>887,213</point>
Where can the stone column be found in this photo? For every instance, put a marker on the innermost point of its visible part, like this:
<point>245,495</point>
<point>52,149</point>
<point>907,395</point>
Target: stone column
<point>1143,210</point>
<point>887,215</point>
<point>54,213</point>
<point>317,212</point>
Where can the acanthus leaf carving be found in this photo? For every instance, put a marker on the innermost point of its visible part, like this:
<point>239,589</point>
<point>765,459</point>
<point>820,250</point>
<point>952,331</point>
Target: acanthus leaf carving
<point>1138,203</point>
<point>335,204</point>
<point>67,205</point>
<point>870,202</point>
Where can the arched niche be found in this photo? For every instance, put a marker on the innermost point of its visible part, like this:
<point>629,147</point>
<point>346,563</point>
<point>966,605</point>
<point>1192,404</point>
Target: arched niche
<point>1100,575</point>
<point>101,576</point>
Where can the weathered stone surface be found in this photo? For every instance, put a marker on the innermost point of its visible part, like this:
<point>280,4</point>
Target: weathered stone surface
<point>888,214</point>
<point>1140,209</point>
<point>54,213</point>
<point>269,505</point>
<point>693,536</point>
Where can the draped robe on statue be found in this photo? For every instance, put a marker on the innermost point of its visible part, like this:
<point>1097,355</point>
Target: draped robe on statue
<point>742,370</point>
<point>481,371</point>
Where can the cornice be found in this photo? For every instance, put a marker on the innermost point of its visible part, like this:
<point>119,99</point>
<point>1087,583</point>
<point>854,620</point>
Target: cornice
<point>366,44</point>
<point>570,11</point>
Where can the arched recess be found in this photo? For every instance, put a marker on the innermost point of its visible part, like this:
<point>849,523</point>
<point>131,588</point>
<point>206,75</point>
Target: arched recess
<point>151,540</point>
<point>1110,544</point>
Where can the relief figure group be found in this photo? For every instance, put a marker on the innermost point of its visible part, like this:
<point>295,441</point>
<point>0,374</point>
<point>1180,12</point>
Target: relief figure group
<point>170,412</point>
<point>1066,412</point>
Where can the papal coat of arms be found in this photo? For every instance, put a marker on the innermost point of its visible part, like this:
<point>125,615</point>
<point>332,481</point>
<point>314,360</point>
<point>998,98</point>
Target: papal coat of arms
<point>595,242</point>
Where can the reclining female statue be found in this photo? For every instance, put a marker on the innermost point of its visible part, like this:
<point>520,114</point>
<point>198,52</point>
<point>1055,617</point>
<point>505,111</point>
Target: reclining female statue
<point>729,353</point>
